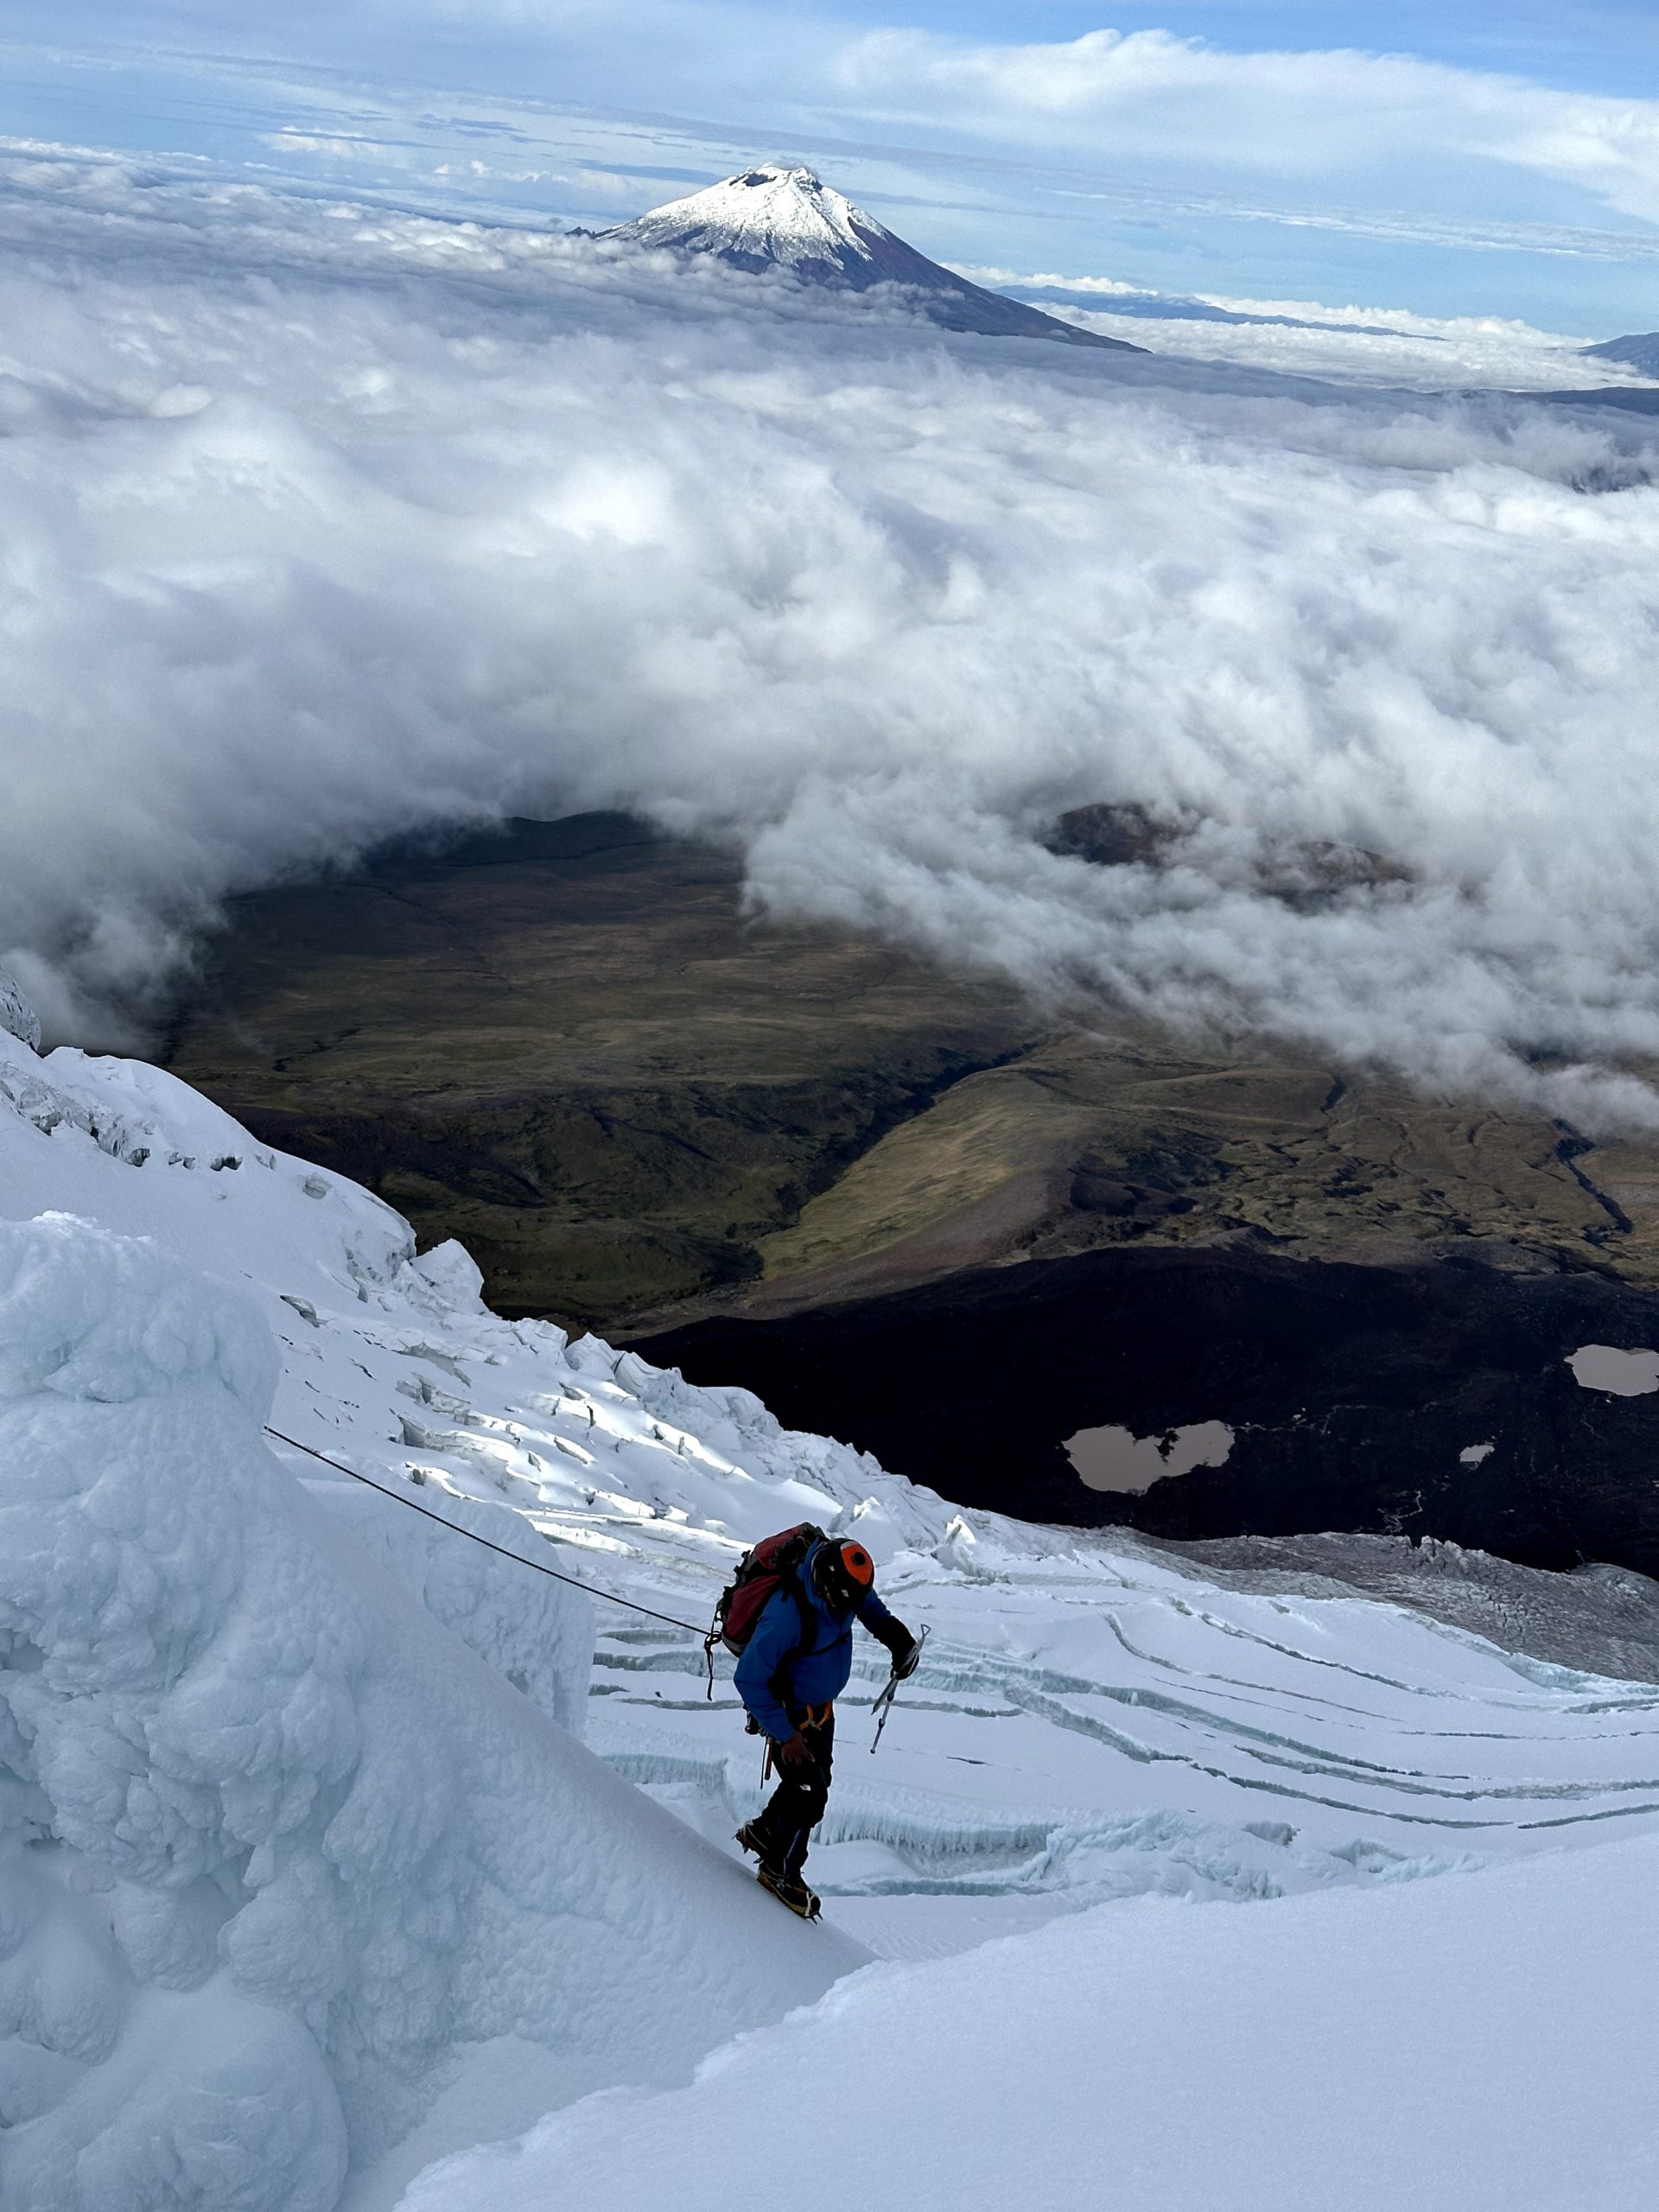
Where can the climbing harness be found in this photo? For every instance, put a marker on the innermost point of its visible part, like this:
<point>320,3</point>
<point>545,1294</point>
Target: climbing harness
<point>883,1705</point>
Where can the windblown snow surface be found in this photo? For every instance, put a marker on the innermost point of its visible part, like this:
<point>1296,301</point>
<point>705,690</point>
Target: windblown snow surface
<point>310,1893</point>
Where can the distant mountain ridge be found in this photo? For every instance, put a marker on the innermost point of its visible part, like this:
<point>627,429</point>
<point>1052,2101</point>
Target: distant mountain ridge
<point>1639,351</point>
<point>780,217</point>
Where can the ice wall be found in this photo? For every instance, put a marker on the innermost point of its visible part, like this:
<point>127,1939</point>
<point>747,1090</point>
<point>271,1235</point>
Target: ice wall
<point>279,1851</point>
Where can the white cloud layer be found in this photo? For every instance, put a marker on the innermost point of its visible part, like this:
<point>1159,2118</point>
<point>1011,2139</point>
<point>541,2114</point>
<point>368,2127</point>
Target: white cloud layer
<point>325,525</point>
<point>1153,95</point>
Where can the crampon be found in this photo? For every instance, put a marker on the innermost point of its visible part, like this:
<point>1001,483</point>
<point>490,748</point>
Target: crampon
<point>789,1891</point>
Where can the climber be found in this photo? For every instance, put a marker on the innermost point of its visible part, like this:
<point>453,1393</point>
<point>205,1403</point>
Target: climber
<point>793,1665</point>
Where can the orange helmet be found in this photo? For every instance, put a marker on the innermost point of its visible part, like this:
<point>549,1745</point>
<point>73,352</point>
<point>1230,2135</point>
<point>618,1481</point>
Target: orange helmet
<point>841,1574</point>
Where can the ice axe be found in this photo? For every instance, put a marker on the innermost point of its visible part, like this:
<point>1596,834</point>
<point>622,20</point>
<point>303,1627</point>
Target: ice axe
<point>883,1705</point>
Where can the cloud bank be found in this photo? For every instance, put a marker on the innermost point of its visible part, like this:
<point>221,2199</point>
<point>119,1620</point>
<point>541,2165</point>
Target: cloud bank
<point>327,525</point>
<point>1313,112</point>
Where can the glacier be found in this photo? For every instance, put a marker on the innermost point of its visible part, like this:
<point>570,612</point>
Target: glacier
<point>335,1848</point>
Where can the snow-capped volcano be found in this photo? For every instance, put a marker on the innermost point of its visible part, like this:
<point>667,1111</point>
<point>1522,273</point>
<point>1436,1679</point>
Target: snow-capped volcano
<point>779,217</point>
<point>773,216</point>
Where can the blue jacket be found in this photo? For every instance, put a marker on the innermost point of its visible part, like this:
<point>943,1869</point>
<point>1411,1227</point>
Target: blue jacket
<point>771,1661</point>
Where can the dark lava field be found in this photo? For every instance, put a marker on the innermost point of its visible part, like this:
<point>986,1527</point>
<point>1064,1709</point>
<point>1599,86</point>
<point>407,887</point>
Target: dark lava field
<point>1427,1400</point>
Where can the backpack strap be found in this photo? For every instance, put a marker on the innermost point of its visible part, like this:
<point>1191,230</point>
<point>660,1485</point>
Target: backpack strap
<point>809,1619</point>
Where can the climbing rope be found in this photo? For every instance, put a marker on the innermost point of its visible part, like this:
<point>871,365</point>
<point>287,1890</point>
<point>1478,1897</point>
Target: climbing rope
<point>398,1497</point>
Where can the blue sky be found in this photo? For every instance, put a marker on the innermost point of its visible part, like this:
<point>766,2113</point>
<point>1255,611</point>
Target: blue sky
<point>1467,158</point>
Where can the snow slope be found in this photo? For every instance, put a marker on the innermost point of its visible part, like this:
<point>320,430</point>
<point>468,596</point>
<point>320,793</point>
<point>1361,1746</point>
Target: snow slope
<point>1095,1723</point>
<point>1474,2045</point>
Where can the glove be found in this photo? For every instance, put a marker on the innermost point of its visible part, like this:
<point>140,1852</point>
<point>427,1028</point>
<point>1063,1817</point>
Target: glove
<point>794,1755</point>
<point>906,1655</point>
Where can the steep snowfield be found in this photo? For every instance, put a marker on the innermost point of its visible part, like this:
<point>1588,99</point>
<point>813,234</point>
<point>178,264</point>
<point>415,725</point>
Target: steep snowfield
<point>378,1873</point>
<point>1470,2045</point>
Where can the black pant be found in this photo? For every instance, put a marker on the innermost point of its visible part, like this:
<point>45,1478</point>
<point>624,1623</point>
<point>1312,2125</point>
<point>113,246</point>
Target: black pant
<point>797,1805</point>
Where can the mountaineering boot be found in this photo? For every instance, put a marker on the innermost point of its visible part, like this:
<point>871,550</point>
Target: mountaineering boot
<point>789,1889</point>
<point>751,1840</point>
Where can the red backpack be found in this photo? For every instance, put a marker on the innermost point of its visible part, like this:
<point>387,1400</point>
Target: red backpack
<point>771,1564</point>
